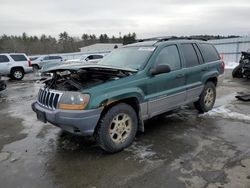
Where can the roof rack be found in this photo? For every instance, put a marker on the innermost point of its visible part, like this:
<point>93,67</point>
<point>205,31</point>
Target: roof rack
<point>169,38</point>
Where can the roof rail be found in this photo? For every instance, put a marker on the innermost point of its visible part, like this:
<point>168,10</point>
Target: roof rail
<point>169,38</point>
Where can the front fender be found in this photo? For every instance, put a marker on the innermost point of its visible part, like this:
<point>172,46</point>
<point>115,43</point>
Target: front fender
<point>100,100</point>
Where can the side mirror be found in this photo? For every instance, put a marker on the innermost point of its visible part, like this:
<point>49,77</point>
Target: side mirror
<point>87,59</point>
<point>159,69</point>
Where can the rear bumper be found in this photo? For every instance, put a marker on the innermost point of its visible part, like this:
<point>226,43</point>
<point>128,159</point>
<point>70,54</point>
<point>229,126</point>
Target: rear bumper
<point>79,122</point>
<point>28,69</point>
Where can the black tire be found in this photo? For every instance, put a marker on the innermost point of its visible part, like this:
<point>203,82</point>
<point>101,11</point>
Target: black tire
<point>35,68</point>
<point>17,74</point>
<point>105,128</point>
<point>203,104</point>
<point>237,72</point>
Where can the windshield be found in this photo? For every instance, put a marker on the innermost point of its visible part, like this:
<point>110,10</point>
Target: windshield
<point>83,57</point>
<point>130,57</point>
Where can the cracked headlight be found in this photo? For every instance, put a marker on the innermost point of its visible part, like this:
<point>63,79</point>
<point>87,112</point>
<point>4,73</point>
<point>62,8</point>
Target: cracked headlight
<point>73,101</point>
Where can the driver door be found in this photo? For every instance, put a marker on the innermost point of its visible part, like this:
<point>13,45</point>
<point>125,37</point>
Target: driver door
<point>167,91</point>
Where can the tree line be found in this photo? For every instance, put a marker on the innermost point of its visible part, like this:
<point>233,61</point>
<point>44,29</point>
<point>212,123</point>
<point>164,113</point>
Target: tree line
<point>46,44</point>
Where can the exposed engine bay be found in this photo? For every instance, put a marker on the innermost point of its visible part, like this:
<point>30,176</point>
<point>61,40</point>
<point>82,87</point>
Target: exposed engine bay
<point>71,80</point>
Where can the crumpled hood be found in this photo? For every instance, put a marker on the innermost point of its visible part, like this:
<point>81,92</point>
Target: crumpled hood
<point>77,66</point>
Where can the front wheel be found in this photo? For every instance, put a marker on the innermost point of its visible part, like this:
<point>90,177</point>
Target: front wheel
<point>117,128</point>
<point>207,98</point>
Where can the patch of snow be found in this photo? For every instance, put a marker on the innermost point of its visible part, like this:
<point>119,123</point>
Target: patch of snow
<point>141,152</point>
<point>231,65</point>
<point>226,113</point>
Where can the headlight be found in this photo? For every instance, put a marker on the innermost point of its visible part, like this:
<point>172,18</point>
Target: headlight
<point>73,101</point>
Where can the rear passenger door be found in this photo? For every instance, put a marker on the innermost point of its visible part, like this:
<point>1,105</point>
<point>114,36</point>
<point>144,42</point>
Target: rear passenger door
<point>193,62</point>
<point>166,91</point>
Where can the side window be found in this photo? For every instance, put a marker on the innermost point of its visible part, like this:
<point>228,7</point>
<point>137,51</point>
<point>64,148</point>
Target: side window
<point>209,52</point>
<point>90,57</point>
<point>4,58</point>
<point>97,56</point>
<point>169,56</point>
<point>56,57</point>
<point>46,58</point>
<point>190,55</point>
<point>18,57</point>
<point>52,57</point>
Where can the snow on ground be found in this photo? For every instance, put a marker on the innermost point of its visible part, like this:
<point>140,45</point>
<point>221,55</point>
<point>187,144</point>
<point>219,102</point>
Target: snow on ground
<point>141,152</point>
<point>225,112</point>
<point>230,65</point>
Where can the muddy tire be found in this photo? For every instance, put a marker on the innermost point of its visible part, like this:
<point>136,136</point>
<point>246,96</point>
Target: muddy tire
<point>117,128</point>
<point>207,98</point>
<point>237,72</point>
<point>17,74</point>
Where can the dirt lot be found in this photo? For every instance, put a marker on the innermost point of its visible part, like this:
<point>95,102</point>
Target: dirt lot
<point>184,149</point>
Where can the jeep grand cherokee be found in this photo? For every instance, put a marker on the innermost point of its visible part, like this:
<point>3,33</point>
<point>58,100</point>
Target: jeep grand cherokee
<point>111,99</point>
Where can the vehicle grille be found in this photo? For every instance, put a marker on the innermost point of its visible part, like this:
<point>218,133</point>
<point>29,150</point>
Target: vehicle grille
<point>48,98</point>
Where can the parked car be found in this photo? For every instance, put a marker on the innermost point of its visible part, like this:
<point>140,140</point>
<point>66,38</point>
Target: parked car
<point>90,58</point>
<point>46,59</point>
<point>84,59</point>
<point>14,65</point>
<point>111,99</point>
<point>2,85</point>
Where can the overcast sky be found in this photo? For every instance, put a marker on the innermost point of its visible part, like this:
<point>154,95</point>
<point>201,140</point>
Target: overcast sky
<point>147,18</point>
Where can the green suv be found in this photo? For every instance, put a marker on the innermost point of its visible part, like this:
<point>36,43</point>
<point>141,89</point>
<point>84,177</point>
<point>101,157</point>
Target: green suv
<point>111,99</point>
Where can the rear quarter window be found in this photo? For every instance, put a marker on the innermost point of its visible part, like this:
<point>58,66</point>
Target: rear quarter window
<point>18,57</point>
<point>209,52</point>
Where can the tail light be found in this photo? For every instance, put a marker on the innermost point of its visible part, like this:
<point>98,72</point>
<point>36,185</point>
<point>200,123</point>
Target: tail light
<point>222,67</point>
<point>29,63</point>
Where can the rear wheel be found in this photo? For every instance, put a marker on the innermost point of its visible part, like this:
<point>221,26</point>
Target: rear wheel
<point>207,98</point>
<point>17,74</point>
<point>117,128</point>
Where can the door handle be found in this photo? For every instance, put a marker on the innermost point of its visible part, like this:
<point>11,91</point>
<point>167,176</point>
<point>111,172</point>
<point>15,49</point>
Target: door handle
<point>180,76</point>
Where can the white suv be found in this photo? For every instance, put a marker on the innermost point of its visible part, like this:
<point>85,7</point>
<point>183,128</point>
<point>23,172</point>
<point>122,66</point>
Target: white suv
<point>15,65</point>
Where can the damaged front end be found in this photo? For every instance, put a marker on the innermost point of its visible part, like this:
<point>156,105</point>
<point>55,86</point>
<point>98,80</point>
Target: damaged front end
<point>76,79</point>
<point>62,101</point>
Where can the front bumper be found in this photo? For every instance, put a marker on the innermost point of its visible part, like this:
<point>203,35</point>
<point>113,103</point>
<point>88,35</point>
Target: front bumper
<point>79,122</point>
